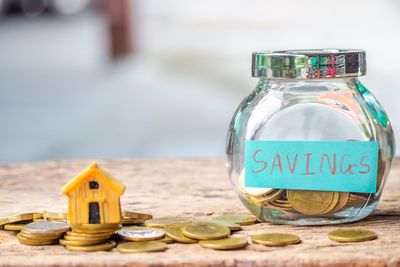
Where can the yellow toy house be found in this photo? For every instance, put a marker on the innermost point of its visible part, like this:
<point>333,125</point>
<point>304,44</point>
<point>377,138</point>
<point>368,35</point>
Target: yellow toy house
<point>93,197</point>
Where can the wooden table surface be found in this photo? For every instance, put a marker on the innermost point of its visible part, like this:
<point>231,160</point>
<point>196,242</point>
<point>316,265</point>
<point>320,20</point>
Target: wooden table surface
<point>190,188</point>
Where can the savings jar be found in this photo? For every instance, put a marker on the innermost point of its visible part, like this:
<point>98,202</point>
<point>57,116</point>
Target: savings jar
<point>310,145</point>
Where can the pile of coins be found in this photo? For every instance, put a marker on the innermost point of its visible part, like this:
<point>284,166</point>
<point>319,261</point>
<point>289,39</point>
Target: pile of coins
<point>211,233</point>
<point>90,237</point>
<point>307,202</point>
<point>42,233</point>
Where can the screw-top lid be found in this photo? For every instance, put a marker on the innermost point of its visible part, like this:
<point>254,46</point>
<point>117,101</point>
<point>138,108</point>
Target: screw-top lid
<point>309,64</point>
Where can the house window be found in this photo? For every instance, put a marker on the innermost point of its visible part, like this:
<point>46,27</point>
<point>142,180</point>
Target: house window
<point>93,185</point>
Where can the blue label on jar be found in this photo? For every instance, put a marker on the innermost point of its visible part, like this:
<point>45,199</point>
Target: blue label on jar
<point>349,166</point>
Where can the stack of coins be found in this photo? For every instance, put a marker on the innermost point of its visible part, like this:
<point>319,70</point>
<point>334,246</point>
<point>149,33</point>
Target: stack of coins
<point>209,233</point>
<point>42,233</point>
<point>90,237</point>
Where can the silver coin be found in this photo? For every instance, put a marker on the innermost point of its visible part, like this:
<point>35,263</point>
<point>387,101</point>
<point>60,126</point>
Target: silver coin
<point>47,227</point>
<point>140,233</point>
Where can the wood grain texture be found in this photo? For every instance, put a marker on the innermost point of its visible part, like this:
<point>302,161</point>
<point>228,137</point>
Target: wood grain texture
<point>192,188</point>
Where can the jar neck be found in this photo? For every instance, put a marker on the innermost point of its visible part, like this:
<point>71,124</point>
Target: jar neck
<point>311,85</point>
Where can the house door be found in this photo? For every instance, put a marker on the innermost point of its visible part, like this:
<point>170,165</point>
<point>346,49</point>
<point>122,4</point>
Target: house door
<point>94,212</point>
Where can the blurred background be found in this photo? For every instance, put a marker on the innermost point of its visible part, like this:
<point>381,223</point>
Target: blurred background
<point>162,78</point>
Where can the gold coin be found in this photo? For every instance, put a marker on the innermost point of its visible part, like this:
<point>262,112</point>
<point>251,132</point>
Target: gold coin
<point>352,235</point>
<point>38,238</point>
<point>81,239</point>
<point>136,215</point>
<point>131,221</point>
<point>95,228</point>
<point>20,218</point>
<point>254,191</point>
<point>205,230</point>
<point>343,198</point>
<point>310,202</point>
<point>274,195</point>
<point>166,240</point>
<point>275,239</point>
<point>23,240</point>
<point>146,246</point>
<point>280,205</point>
<point>56,216</point>
<point>46,227</point>
<point>163,222</point>
<point>356,201</point>
<point>226,243</point>
<point>93,235</point>
<point>254,208</point>
<point>81,242</point>
<point>42,235</point>
<point>174,231</point>
<point>14,227</point>
<point>238,219</point>
<point>335,201</point>
<point>91,248</point>
<point>232,226</point>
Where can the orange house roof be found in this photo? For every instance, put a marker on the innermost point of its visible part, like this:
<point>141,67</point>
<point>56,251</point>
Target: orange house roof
<point>95,170</point>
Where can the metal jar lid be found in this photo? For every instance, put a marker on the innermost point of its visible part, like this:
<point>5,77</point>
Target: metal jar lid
<point>309,64</point>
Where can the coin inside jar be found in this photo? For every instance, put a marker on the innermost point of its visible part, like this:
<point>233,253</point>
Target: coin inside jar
<point>140,234</point>
<point>310,202</point>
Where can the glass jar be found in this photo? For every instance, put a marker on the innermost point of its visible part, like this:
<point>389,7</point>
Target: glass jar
<point>310,145</point>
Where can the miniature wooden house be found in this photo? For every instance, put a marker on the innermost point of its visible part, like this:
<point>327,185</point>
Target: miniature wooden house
<point>93,197</point>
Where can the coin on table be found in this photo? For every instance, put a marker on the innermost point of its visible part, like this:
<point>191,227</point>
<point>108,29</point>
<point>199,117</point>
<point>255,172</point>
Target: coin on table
<point>164,221</point>
<point>146,246</point>
<point>88,242</point>
<point>174,231</point>
<point>125,221</point>
<point>275,239</point>
<point>136,215</point>
<point>14,226</point>
<point>226,243</point>
<point>310,202</point>
<point>89,239</point>
<point>55,216</point>
<point>205,230</point>
<point>86,236</point>
<point>95,228</point>
<point>166,240</point>
<point>140,233</point>
<point>352,235</point>
<point>91,248</point>
<point>232,226</point>
<point>20,218</point>
<point>40,236</point>
<point>26,241</point>
<point>238,219</point>
<point>47,227</point>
